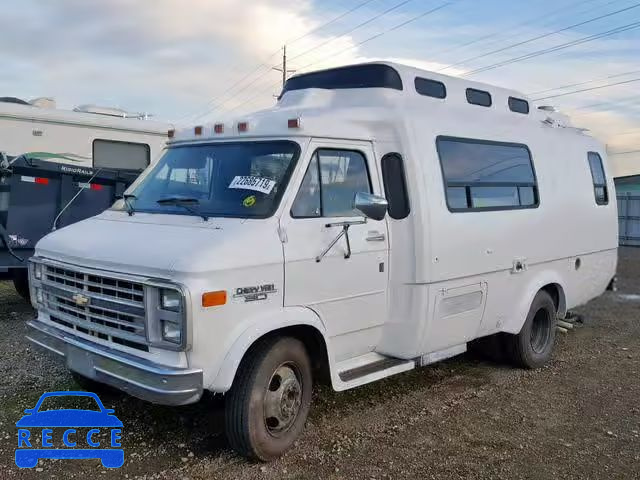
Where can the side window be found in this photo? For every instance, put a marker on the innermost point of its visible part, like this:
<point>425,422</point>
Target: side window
<point>330,184</point>
<point>430,88</point>
<point>599,179</point>
<point>478,97</point>
<point>482,175</point>
<point>518,105</point>
<point>395,186</point>
<point>121,155</point>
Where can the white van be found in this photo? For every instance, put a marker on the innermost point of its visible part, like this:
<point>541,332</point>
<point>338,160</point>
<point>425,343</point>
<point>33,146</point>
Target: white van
<point>378,219</point>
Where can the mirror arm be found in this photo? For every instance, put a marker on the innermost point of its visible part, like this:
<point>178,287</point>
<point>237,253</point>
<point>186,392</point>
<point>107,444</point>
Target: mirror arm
<point>343,233</point>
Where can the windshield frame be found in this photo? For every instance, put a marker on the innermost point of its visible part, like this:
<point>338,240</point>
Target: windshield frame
<point>277,202</point>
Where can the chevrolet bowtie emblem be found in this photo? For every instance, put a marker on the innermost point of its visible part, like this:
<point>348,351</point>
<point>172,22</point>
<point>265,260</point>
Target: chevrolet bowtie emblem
<point>80,300</point>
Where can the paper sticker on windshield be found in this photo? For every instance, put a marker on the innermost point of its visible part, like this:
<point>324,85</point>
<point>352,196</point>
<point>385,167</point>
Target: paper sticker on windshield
<point>257,184</point>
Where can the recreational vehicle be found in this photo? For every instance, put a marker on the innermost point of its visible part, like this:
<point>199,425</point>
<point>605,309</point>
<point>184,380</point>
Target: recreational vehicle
<point>59,166</point>
<point>379,218</point>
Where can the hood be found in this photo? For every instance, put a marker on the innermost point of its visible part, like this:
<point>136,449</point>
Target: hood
<point>160,245</point>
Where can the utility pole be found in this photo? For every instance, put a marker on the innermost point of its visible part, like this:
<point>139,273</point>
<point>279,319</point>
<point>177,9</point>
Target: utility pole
<point>283,69</point>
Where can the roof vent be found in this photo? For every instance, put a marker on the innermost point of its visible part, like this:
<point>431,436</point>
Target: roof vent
<point>43,102</point>
<point>110,112</point>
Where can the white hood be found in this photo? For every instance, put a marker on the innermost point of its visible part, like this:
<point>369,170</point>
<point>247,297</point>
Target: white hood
<point>161,245</point>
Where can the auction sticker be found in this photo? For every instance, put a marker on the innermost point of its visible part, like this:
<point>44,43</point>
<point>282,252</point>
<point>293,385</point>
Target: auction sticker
<point>257,184</point>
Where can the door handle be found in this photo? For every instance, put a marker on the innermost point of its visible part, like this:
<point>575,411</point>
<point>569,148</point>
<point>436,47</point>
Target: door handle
<point>375,236</point>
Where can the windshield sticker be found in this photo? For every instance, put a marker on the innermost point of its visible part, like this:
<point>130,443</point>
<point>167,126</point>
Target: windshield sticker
<point>249,201</point>
<point>257,184</point>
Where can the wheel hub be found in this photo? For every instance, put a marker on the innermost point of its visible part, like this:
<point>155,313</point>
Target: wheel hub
<point>283,399</point>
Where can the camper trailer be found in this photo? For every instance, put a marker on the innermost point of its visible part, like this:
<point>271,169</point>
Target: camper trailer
<point>378,219</point>
<point>59,166</point>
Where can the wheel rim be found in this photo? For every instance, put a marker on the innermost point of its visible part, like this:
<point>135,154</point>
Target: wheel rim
<point>540,330</point>
<point>283,399</point>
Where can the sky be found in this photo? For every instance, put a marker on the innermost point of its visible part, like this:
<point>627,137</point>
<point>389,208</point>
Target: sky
<point>192,61</point>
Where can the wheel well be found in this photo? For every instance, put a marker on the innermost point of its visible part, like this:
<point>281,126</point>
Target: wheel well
<point>557,294</point>
<point>313,342</point>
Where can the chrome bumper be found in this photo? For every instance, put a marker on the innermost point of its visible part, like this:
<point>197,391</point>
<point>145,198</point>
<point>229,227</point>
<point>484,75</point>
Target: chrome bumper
<point>137,377</point>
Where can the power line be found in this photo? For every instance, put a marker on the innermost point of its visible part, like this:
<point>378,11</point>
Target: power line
<point>556,48</point>
<point>265,63</point>
<point>624,153</point>
<point>516,26</point>
<point>562,87</point>
<point>539,37</point>
<point>360,25</point>
<point>373,37</point>
<point>396,27</point>
<point>588,89</point>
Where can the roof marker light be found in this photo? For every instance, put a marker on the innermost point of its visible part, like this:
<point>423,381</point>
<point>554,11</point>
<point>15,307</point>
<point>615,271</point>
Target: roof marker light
<point>293,123</point>
<point>243,126</point>
<point>218,128</point>
<point>197,130</point>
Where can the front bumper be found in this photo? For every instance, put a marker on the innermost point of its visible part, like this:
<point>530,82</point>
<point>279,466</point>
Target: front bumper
<point>137,377</point>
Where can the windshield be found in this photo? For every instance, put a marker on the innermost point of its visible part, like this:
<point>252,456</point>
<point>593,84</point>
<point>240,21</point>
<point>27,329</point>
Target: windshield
<point>243,179</point>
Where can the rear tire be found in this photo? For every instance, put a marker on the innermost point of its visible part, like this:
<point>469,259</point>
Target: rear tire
<point>533,346</point>
<point>21,283</point>
<point>268,404</point>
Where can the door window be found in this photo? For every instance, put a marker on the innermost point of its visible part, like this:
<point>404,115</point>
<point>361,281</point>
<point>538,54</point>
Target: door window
<point>331,183</point>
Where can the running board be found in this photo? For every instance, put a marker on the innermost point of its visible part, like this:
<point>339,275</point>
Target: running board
<point>375,367</point>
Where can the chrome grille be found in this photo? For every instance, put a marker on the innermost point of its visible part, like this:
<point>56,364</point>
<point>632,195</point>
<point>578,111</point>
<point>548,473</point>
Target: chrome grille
<point>108,308</point>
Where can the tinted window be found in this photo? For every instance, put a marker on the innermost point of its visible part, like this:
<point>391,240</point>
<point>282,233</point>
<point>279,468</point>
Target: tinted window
<point>478,97</point>
<point>395,186</point>
<point>599,179</point>
<point>120,155</point>
<point>518,105</point>
<point>487,175</point>
<point>430,88</point>
<point>356,76</point>
<point>330,184</point>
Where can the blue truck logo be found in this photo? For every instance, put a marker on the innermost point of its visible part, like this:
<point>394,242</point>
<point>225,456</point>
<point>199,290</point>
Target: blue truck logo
<point>83,433</point>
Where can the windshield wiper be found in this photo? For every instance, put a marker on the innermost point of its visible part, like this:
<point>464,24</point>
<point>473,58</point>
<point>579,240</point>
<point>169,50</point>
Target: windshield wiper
<point>127,203</point>
<point>185,202</point>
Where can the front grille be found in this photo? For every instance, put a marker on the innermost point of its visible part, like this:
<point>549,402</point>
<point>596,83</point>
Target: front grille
<point>108,308</point>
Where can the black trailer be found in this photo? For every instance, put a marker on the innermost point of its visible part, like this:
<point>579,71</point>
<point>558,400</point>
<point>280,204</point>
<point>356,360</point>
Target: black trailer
<point>37,197</point>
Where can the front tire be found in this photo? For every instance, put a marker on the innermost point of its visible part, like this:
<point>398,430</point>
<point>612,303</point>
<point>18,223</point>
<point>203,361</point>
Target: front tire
<point>533,346</point>
<point>268,404</point>
<point>21,283</point>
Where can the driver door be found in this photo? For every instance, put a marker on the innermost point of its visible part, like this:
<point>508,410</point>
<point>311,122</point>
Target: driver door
<point>348,292</point>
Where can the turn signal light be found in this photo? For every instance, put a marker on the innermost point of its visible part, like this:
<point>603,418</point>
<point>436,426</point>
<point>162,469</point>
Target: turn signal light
<point>214,299</point>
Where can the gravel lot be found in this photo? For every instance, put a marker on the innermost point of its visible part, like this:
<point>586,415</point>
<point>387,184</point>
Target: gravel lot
<point>465,418</point>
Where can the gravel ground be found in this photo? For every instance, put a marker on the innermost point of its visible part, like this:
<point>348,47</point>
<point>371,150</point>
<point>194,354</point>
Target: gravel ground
<point>465,418</point>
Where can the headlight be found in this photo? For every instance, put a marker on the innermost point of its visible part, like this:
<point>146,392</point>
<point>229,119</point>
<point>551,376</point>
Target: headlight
<point>170,300</point>
<point>171,332</point>
<point>37,271</point>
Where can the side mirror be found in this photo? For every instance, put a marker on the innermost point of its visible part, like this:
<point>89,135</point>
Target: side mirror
<point>371,206</point>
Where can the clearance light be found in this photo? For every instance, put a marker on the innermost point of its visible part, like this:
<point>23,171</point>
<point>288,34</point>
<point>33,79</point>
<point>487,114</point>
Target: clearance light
<point>198,130</point>
<point>293,123</point>
<point>171,133</point>
<point>218,128</point>
<point>214,299</point>
<point>243,127</point>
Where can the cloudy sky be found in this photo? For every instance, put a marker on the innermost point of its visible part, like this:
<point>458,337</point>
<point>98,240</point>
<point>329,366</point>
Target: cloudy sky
<point>196,60</point>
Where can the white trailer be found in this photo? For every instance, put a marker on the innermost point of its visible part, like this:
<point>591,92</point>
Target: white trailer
<point>80,143</point>
<point>379,218</point>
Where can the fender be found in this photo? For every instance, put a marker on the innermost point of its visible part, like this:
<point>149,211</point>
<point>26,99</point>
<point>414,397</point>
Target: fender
<point>536,282</point>
<point>258,327</point>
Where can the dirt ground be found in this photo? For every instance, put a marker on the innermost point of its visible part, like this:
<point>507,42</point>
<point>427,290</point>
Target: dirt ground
<point>465,418</point>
